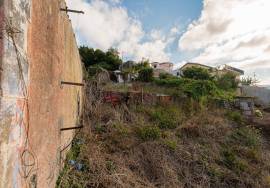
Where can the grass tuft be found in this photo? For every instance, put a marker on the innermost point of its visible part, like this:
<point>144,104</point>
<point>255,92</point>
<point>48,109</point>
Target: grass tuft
<point>149,133</point>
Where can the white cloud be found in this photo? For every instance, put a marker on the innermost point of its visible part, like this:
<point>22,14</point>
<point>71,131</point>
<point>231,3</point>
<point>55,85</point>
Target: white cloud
<point>107,24</point>
<point>236,32</point>
<point>115,1</point>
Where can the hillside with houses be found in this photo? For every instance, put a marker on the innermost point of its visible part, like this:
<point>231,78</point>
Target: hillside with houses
<point>134,94</point>
<point>148,125</point>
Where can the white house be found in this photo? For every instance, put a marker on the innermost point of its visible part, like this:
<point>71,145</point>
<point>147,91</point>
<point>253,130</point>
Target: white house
<point>165,67</point>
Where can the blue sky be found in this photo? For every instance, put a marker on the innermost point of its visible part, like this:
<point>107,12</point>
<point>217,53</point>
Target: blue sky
<point>165,14</point>
<point>211,32</point>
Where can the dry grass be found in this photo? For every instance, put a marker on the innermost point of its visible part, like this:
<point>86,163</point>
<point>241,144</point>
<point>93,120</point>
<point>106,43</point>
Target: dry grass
<point>202,149</point>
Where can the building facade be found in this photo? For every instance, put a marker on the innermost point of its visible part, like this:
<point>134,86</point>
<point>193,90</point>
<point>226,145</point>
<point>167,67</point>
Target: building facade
<point>214,71</point>
<point>225,69</point>
<point>179,72</point>
<point>165,67</point>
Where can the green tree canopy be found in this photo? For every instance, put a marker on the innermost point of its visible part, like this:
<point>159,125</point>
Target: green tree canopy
<point>109,60</point>
<point>141,65</point>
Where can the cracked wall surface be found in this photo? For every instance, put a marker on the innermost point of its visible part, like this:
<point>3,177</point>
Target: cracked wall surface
<point>38,50</point>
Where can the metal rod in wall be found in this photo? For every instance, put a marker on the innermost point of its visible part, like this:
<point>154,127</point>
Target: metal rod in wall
<point>71,10</point>
<point>71,83</point>
<point>71,128</point>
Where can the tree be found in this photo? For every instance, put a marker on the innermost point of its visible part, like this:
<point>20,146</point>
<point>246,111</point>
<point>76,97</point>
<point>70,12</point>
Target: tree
<point>113,59</point>
<point>109,60</point>
<point>142,65</point>
<point>196,73</point>
<point>248,81</point>
<point>87,56</point>
<point>146,75</point>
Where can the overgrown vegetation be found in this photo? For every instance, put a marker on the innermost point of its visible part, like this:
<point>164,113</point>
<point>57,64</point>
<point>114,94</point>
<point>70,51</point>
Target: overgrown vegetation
<point>146,75</point>
<point>149,133</point>
<point>248,81</point>
<point>95,59</point>
<point>227,82</point>
<point>196,73</point>
<point>198,83</point>
<point>190,144</point>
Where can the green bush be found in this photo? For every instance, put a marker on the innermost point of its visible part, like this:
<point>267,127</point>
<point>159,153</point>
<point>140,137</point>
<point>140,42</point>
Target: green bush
<point>192,88</point>
<point>227,82</point>
<point>146,75</point>
<point>170,82</point>
<point>196,73</point>
<point>199,88</point>
<point>149,133</point>
<point>229,158</point>
<point>166,76</point>
<point>171,144</point>
<point>165,118</point>
<point>247,136</point>
<point>121,129</point>
<point>233,162</point>
<point>234,116</point>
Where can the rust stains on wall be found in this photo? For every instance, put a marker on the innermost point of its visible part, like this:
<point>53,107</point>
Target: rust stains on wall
<point>43,53</point>
<point>14,65</point>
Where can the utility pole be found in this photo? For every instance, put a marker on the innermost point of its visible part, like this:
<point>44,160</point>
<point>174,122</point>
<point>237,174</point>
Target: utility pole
<point>71,10</point>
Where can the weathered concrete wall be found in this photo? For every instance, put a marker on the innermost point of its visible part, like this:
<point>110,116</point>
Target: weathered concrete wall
<point>262,94</point>
<point>33,105</point>
<point>14,80</point>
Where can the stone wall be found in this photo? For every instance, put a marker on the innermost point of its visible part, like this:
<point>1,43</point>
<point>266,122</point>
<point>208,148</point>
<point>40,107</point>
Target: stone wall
<point>38,52</point>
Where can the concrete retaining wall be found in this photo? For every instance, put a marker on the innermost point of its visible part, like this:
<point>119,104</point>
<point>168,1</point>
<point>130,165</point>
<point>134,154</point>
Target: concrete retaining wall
<point>38,51</point>
<point>262,94</point>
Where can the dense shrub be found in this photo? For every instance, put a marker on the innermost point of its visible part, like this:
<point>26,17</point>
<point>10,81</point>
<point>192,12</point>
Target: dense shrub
<point>199,88</point>
<point>146,75</point>
<point>166,76</point>
<point>192,88</point>
<point>171,82</point>
<point>197,83</point>
<point>227,82</point>
<point>196,73</point>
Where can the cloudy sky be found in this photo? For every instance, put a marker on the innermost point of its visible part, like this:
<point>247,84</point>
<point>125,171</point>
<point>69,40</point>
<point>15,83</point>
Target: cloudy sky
<point>212,32</point>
